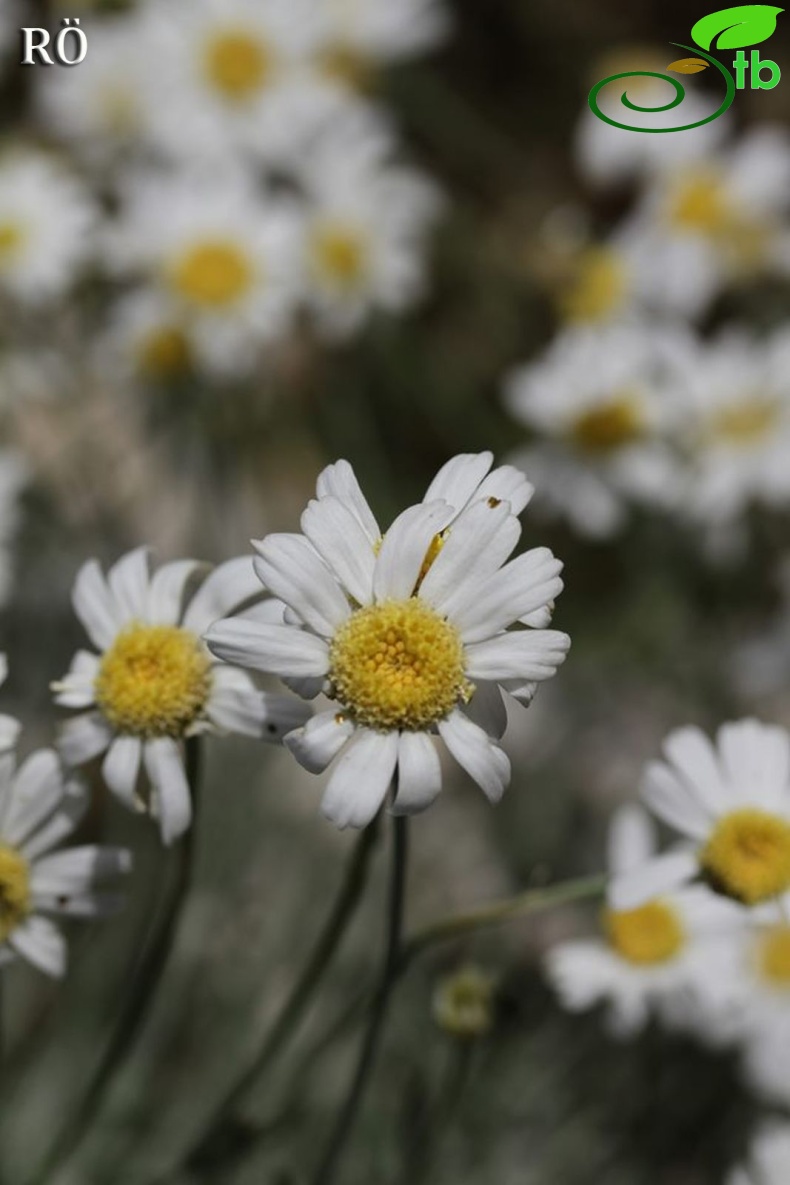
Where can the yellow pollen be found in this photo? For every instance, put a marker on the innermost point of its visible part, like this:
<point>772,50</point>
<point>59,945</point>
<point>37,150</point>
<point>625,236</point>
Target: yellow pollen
<point>346,66</point>
<point>748,856</point>
<point>214,274</point>
<point>609,426</point>
<point>436,545</point>
<point>12,236</point>
<point>15,898</point>
<point>746,423</point>
<point>651,934</point>
<point>398,665</point>
<point>596,288</point>
<point>164,353</point>
<point>339,255</point>
<point>774,956</point>
<point>238,64</point>
<point>154,681</point>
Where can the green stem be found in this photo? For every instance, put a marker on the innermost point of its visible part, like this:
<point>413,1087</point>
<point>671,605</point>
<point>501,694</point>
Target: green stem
<point>345,1121</point>
<point>145,982</point>
<point>225,1139</point>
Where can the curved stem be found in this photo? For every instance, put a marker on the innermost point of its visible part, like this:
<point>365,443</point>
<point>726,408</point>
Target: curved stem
<point>348,1112</point>
<point>217,1143</point>
<point>145,981</point>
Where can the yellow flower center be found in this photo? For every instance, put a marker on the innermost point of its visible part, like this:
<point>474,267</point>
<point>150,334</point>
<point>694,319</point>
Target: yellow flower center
<point>463,1003</point>
<point>154,681</point>
<point>339,255</point>
<point>609,426</point>
<point>12,236</point>
<point>651,934</point>
<point>15,898</point>
<point>746,423</point>
<point>596,288</point>
<point>699,204</point>
<point>774,956</point>
<point>214,274</point>
<point>748,856</point>
<point>345,65</point>
<point>238,64</point>
<point>398,665</point>
<point>164,353</point>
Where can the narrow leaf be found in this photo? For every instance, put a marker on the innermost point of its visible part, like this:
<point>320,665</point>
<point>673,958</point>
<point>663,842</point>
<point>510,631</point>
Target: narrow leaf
<point>688,65</point>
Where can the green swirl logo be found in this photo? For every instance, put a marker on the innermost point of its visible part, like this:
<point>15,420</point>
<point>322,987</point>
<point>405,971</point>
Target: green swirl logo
<point>732,28</point>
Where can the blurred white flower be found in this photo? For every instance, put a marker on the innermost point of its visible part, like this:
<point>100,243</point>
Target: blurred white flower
<point>731,803</point>
<point>45,223</point>
<point>358,37</point>
<point>153,683</point>
<point>39,809</point>
<point>604,405</point>
<point>147,338</point>
<point>737,427</point>
<point>9,725</point>
<point>653,959</point>
<point>366,224</point>
<point>769,1157</point>
<point>408,632</point>
<point>225,256</point>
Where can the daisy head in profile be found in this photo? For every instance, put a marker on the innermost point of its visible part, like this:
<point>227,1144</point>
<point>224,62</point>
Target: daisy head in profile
<point>39,808</point>
<point>653,959</point>
<point>150,684</point>
<point>414,633</point>
<point>730,801</point>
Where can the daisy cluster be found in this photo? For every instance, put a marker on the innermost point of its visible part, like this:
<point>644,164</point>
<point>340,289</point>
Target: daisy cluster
<point>697,936</point>
<point>653,393</point>
<point>226,171</point>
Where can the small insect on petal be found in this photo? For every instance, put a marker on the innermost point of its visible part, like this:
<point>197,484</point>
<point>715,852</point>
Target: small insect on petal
<point>688,65</point>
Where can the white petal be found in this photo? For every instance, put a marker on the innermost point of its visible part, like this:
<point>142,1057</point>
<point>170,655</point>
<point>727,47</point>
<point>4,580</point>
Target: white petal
<point>694,757</point>
<point>419,773</point>
<point>632,839</point>
<point>339,480</point>
<point>165,766</point>
<point>278,649</point>
<point>340,540</point>
<point>458,480</point>
<point>507,484</point>
<point>74,871</point>
<point>320,741</point>
<point>237,705</point>
<point>61,823</point>
<point>476,546</point>
<point>528,583</point>
<point>487,708</point>
<point>166,592</point>
<point>128,581</point>
<point>224,590</point>
<point>475,752</point>
<point>83,738</point>
<point>672,801</point>
<point>89,905</point>
<point>655,878</point>
<point>290,567</point>
<point>76,690</point>
<point>37,790</point>
<point>755,760</point>
<point>405,547</point>
<point>40,942</point>
<point>359,782</point>
<point>121,768</point>
<point>9,732</point>
<point>530,655</point>
<point>95,606</point>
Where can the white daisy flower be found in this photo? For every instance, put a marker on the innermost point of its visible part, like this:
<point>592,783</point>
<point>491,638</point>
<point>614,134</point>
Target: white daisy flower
<point>715,221</point>
<point>147,338</point>
<point>153,684</point>
<point>234,76</point>
<point>652,959</point>
<point>737,427</point>
<point>731,803</point>
<point>45,224</point>
<point>408,632</point>
<point>358,37</point>
<point>769,1157</point>
<point>38,809</point>
<point>226,259</point>
<point>365,228</point>
<point>9,725</point>
<point>103,107</point>
<point>604,403</point>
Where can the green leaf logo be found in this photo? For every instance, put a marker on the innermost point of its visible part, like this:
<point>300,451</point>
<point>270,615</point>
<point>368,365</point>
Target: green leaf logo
<point>734,28</point>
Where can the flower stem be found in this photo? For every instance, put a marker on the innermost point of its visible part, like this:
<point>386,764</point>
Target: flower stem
<point>145,981</point>
<point>226,1139</point>
<point>392,954</point>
